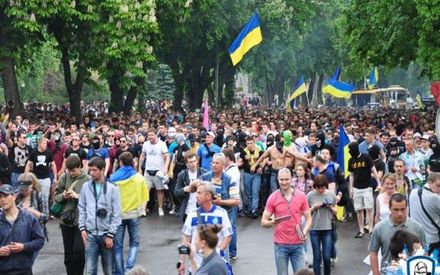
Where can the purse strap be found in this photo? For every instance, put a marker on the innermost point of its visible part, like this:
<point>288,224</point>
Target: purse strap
<point>73,185</point>
<point>419,192</point>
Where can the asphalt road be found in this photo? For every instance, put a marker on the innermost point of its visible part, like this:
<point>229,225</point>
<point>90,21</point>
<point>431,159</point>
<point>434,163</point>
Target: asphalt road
<point>160,237</point>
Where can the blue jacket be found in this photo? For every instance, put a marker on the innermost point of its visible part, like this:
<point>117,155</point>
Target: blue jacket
<point>26,230</point>
<point>224,189</point>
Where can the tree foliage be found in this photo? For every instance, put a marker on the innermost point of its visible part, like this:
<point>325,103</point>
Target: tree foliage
<point>395,33</point>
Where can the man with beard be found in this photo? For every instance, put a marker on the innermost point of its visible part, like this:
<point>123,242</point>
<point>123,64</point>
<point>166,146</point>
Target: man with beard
<point>124,146</point>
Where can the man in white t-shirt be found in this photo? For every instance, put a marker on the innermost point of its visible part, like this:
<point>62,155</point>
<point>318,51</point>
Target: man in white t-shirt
<point>157,159</point>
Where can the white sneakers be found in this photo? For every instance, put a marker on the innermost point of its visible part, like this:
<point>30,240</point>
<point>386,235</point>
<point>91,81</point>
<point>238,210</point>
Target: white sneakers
<point>161,213</point>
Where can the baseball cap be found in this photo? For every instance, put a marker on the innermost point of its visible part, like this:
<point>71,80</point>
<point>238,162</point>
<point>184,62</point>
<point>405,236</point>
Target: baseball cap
<point>192,137</point>
<point>211,134</point>
<point>425,137</point>
<point>7,189</point>
<point>23,185</point>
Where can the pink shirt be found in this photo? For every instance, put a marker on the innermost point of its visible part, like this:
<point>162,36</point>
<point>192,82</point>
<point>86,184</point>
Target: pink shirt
<point>285,231</point>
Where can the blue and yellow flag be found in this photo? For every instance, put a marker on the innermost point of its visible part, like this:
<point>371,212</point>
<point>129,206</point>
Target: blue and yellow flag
<point>374,78</point>
<point>299,90</point>
<point>337,88</point>
<point>343,154</point>
<point>249,37</point>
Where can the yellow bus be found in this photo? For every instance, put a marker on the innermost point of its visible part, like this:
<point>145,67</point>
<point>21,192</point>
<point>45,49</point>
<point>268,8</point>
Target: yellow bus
<point>394,96</point>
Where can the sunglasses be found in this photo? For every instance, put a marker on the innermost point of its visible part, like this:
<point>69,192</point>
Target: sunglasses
<point>110,135</point>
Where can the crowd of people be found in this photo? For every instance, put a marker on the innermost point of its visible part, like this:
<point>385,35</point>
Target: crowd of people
<point>100,176</point>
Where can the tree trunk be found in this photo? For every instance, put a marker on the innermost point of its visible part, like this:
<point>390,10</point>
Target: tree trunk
<point>179,82</point>
<point>116,95</point>
<point>131,96</point>
<point>9,78</point>
<point>200,79</point>
<point>73,89</point>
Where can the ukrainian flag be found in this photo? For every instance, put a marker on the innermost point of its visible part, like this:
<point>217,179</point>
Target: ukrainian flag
<point>343,154</point>
<point>337,88</point>
<point>374,77</point>
<point>299,90</point>
<point>249,37</point>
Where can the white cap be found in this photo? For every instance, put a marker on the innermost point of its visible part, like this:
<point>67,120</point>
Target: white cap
<point>211,133</point>
<point>172,132</point>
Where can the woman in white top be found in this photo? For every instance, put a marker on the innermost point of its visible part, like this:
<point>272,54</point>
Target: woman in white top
<point>382,202</point>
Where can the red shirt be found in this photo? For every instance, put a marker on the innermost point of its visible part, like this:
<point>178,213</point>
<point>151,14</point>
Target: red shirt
<point>58,153</point>
<point>285,231</point>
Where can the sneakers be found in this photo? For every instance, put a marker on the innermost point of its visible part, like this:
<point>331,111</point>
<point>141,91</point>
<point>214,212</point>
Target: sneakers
<point>172,211</point>
<point>334,260</point>
<point>254,214</point>
<point>359,235</point>
<point>233,258</point>
<point>161,213</point>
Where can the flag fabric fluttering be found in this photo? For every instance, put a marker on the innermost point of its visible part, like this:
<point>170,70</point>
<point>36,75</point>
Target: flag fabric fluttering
<point>419,102</point>
<point>337,88</point>
<point>249,37</point>
<point>374,78</point>
<point>205,122</point>
<point>343,154</point>
<point>299,90</point>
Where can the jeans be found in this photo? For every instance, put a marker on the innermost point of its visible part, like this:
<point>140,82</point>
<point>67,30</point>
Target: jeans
<point>73,250</point>
<point>274,181</point>
<point>45,188</point>
<point>321,238</point>
<point>232,214</point>
<point>14,180</point>
<point>95,248</point>
<point>132,226</point>
<point>286,252</point>
<point>252,184</point>
<point>334,254</point>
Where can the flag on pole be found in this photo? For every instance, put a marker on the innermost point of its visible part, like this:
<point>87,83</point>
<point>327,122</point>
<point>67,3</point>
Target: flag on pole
<point>337,88</point>
<point>343,154</point>
<point>299,90</point>
<point>374,77</point>
<point>249,37</point>
<point>205,122</point>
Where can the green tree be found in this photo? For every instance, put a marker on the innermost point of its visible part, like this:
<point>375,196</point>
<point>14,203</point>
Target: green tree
<point>408,33</point>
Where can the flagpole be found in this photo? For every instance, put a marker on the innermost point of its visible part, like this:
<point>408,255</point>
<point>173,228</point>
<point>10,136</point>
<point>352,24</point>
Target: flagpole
<point>217,65</point>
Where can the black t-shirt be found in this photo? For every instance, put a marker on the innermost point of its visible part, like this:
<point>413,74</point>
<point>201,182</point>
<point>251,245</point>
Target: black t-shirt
<point>81,153</point>
<point>130,149</point>
<point>137,149</point>
<point>361,169</point>
<point>250,158</point>
<point>18,156</point>
<point>41,161</point>
<point>434,163</point>
<point>380,166</point>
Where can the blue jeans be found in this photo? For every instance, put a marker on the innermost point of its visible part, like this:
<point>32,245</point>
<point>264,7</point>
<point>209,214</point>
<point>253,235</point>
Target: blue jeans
<point>252,184</point>
<point>334,240</point>
<point>132,226</point>
<point>321,238</point>
<point>286,252</point>
<point>232,214</point>
<point>94,249</point>
<point>273,181</point>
